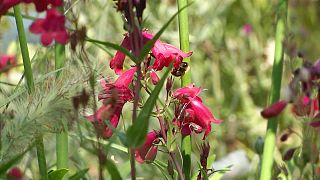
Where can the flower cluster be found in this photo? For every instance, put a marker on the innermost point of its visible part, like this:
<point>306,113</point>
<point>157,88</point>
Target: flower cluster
<point>191,114</point>
<point>52,27</point>
<point>304,81</point>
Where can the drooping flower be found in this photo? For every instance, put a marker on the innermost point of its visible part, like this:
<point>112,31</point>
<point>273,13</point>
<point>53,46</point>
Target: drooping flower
<point>305,107</point>
<point>51,28</point>
<point>164,54</point>
<point>191,114</point>
<point>114,96</point>
<point>6,61</point>
<point>148,151</point>
<point>43,5</point>
<point>274,109</point>
<point>154,77</point>
<point>5,5</point>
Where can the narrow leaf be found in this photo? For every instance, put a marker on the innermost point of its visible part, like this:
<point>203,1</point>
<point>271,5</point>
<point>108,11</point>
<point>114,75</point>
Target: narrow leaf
<point>113,171</point>
<point>57,174</point>
<point>114,46</point>
<point>147,47</point>
<point>137,133</point>
<point>79,175</point>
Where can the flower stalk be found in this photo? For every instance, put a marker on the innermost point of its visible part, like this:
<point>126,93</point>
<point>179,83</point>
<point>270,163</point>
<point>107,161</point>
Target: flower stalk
<point>185,80</point>
<point>61,137</point>
<point>30,85</point>
<point>270,138</point>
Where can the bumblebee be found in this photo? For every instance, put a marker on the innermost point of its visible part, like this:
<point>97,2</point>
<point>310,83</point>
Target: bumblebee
<point>178,72</point>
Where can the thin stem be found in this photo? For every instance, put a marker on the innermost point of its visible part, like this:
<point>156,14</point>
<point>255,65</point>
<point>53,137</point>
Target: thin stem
<point>24,49</point>
<point>41,158</point>
<point>270,138</point>
<point>185,80</point>
<point>30,84</point>
<point>61,137</point>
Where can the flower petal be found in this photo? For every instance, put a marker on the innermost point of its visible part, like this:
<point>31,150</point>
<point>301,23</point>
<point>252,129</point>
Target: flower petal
<point>274,109</point>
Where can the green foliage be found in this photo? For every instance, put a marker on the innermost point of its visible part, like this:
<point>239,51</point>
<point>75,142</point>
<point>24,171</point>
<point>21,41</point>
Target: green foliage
<point>57,174</point>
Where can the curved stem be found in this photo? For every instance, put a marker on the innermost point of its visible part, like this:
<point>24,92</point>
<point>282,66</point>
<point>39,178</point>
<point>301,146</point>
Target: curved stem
<point>270,138</point>
<point>30,84</point>
<point>185,80</point>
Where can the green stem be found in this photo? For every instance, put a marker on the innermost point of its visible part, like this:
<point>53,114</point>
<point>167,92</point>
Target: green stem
<point>24,49</point>
<point>185,80</point>
<point>270,138</point>
<point>61,137</point>
<point>30,85</point>
<point>41,158</point>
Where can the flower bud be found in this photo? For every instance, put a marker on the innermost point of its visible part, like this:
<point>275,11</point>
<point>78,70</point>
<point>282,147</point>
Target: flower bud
<point>289,154</point>
<point>274,109</point>
<point>15,174</point>
<point>259,145</point>
<point>154,77</point>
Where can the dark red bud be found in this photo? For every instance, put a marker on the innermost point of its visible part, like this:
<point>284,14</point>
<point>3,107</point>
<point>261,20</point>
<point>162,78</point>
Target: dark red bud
<point>284,137</point>
<point>315,124</point>
<point>274,109</point>
<point>289,154</point>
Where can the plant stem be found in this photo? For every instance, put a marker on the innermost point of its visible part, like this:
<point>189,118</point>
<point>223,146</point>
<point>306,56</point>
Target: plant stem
<point>24,49</point>
<point>270,138</point>
<point>185,80</point>
<point>61,137</point>
<point>30,84</point>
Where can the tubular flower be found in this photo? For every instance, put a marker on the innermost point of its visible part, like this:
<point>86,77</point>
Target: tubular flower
<point>305,107</point>
<point>114,96</point>
<point>148,151</point>
<point>6,61</point>
<point>191,114</point>
<point>274,109</point>
<point>5,5</point>
<point>164,54</point>
<point>51,28</point>
<point>44,4</point>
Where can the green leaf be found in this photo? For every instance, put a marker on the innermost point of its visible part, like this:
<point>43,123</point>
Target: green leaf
<point>57,174</point>
<point>114,46</point>
<point>137,133</point>
<point>80,174</point>
<point>6,165</point>
<point>161,170</point>
<point>147,47</point>
<point>113,171</point>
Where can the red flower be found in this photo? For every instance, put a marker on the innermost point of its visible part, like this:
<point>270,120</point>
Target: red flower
<point>305,107</point>
<point>148,151</point>
<point>154,77</point>
<point>15,174</point>
<point>6,61</point>
<point>164,53</point>
<point>114,96</point>
<point>51,28</point>
<point>191,114</point>
<point>7,4</point>
<point>274,109</point>
<point>44,4</point>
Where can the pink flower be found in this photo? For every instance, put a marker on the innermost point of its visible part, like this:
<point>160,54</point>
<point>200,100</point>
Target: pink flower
<point>6,61</point>
<point>305,107</point>
<point>51,28</point>
<point>114,96</point>
<point>15,174</point>
<point>154,77</point>
<point>191,114</point>
<point>247,28</point>
<point>274,109</point>
<point>44,4</point>
<point>148,151</point>
<point>5,5</point>
<point>315,124</point>
<point>164,54</point>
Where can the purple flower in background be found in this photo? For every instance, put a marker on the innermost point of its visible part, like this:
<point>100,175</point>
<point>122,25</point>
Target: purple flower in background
<point>247,28</point>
